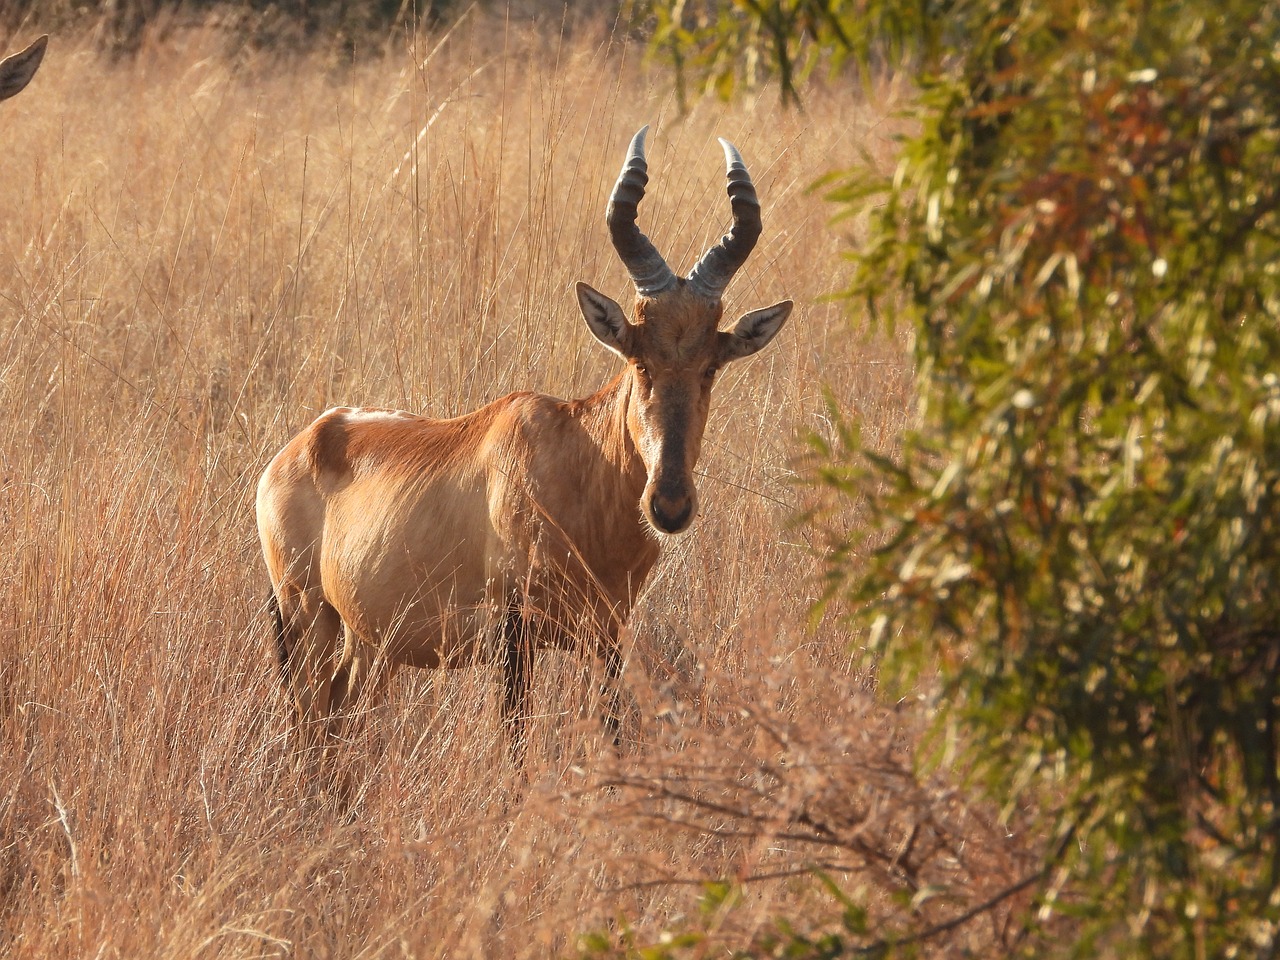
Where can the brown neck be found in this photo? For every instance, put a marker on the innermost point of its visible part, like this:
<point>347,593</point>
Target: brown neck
<point>610,532</point>
<point>603,417</point>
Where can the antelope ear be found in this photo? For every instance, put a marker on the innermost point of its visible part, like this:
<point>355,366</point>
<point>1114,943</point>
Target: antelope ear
<point>16,71</point>
<point>605,319</point>
<point>753,331</point>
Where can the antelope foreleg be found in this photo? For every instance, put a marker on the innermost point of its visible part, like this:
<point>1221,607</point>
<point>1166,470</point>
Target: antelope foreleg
<point>611,692</point>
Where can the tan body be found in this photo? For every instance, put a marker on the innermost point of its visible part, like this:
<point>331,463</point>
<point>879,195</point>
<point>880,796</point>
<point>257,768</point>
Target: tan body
<point>530,523</point>
<point>424,535</point>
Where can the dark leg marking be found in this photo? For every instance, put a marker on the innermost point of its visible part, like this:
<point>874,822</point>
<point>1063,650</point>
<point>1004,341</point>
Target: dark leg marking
<point>612,693</point>
<point>282,643</point>
<point>516,669</point>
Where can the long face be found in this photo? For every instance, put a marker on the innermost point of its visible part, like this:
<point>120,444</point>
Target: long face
<point>674,353</point>
<point>674,349</point>
<point>674,357</point>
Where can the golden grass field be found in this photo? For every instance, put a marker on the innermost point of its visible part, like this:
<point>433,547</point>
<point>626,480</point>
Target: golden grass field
<point>200,250</point>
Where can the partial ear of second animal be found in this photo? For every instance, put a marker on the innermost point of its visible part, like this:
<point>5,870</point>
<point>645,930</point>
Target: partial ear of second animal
<point>16,71</point>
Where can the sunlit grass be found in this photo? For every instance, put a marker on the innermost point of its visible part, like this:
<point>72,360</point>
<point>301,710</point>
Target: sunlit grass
<point>204,247</point>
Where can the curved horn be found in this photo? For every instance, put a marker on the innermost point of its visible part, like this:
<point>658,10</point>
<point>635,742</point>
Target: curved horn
<point>718,265</point>
<point>649,272</point>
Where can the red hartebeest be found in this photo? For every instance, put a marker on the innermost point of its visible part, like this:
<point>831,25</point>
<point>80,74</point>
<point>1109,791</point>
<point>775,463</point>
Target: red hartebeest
<point>530,522</point>
<point>16,71</point>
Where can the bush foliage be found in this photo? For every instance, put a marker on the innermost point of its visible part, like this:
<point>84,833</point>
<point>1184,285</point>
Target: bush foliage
<point>1082,534</point>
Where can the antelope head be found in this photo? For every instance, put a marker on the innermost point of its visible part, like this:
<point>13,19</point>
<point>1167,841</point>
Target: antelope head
<point>674,347</point>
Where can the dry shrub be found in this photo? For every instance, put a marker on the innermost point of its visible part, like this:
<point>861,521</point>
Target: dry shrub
<point>802,772</point>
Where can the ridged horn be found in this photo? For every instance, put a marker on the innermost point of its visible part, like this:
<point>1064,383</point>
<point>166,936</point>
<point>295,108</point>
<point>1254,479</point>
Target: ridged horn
<point>649,272</point>
<point>718,265</point>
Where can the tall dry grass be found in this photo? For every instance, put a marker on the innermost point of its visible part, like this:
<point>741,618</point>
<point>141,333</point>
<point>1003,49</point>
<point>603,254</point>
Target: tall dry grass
<point>202,248</point>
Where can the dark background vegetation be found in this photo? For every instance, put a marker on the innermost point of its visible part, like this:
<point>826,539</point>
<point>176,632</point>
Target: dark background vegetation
<point>341,26</point>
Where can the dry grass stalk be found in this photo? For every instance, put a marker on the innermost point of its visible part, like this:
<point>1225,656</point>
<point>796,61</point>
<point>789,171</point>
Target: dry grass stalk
<point>199,251</point>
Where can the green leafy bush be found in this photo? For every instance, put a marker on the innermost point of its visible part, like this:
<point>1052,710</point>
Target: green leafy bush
<point>1081,537</point>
